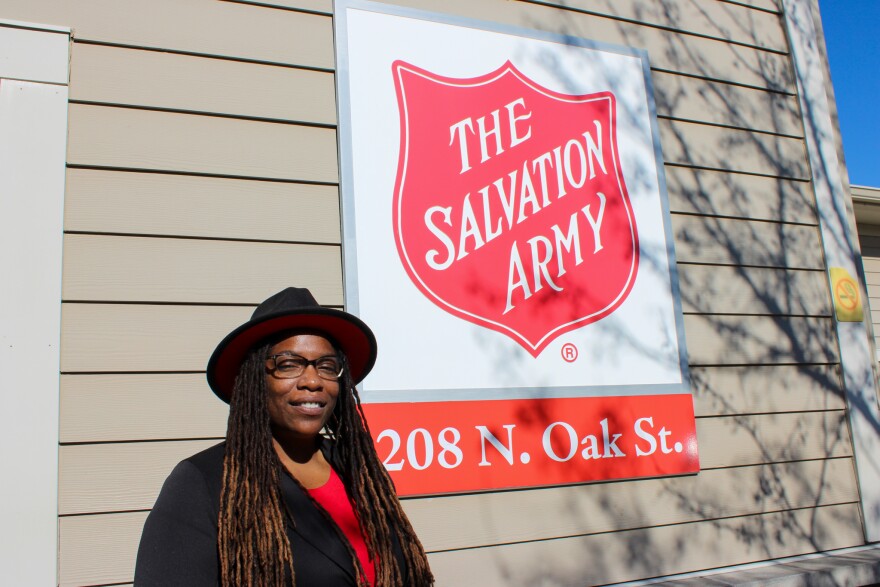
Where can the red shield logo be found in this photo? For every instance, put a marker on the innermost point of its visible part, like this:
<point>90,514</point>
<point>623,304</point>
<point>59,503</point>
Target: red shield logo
<point>510,208</point>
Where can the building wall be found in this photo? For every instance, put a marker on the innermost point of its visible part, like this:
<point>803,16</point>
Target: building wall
<point>202,176</point>
<point>867,210</point>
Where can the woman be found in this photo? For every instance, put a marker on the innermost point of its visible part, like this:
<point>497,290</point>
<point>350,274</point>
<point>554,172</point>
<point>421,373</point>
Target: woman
<point>296,495</point>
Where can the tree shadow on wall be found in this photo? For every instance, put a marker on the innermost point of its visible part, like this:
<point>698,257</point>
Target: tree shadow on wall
<point>777,477</point>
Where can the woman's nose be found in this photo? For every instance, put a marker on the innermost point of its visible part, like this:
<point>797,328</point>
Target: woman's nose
<point>309,378</point>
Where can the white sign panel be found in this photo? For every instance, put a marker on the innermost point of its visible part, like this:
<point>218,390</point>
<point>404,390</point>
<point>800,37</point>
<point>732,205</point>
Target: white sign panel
<point>635,348</point>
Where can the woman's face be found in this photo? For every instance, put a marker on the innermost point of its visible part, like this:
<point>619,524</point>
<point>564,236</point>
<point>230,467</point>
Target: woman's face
<point>299,407</point>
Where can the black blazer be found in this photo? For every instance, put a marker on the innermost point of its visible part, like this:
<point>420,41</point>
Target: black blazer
<point>179,542</point>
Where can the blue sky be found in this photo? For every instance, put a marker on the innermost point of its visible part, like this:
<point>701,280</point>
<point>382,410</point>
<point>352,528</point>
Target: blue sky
<point>853,40</point>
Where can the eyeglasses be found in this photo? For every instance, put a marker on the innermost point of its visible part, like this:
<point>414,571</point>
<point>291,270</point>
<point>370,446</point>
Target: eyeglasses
<point>290,366</point>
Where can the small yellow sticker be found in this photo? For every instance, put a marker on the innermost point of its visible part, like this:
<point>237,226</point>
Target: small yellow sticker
<point>846,296</point>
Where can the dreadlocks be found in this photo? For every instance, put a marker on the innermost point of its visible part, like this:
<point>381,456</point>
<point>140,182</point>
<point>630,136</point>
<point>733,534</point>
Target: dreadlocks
<point>254,549</point>
<point>253,545</point>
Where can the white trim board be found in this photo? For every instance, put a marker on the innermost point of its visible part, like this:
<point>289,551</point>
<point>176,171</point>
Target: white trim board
<point>834,205</point>
<point>31,52</point>
<point>33,142</point>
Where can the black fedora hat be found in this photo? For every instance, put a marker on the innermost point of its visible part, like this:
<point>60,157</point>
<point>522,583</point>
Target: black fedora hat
<point>291,309</point>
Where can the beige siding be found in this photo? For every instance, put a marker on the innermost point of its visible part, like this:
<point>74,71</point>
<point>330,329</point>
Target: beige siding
<point>694,99</point>
<point>130,407</point>
<point>320,6</point>
<point>713,289</point>
<point>711,147</point>
<point>116,75</point>
<point>592,509</point>
<point>305,39</point>
<point>738,242</point>
<point>204,176</point>
<point>100,201</point>
<point>735,340</point>
<point>98,550</point>
<point>705,57</point>
<point>141,269</point>
<point>112,407</point>
<point>453,523</point>
<point>741,196</point>
<point>118,476</point>
<point>129,138</point>
<point>672,16</point>
<point>122,338</point>
<point>638,553</point>
<point>703,17</point>
<point>765,389</point>
<point>122,477</point>
<point>125,76</point>
<point>113,338</point>
<point>143,338</point>
<point>525,564</point>
<point>204,27</point>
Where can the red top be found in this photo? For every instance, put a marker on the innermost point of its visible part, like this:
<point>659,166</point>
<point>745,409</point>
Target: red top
<point>334,499</point>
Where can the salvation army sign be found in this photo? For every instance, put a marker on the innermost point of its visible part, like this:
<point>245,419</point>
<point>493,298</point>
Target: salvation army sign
<point>524,226</point>
<point>506,234</point>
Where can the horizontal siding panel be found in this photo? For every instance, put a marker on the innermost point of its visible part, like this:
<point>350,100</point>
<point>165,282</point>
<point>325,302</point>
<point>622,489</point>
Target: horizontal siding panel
<point>160,204</point>
<point>299,38</point>
<point>124,337</point>
<point>872,264</point>
<point>742,340</point>
<point>650,552</point>
<point>128,476</point>
<point>715,289</point>
<point>142,269</point>
<point>687,143</point>
<point>741,242</point>
<point>322,6</point>
<point>98,550</point>
<point>710,18</point>
<point>116,75</point>
<point>694,99</point>
<point>467,521</point>
<point>225,29</point>
<point>763,4</point>
<point>137,139</point>
<point>751,440</point>
<point>118,476</point>
<point>718,193</point>
<point>110,407</point>
<point>682,53</point>
<point>166,338</point>
<point>727,391</point>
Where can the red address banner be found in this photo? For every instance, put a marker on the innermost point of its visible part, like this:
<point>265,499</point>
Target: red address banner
<point>461,446</point>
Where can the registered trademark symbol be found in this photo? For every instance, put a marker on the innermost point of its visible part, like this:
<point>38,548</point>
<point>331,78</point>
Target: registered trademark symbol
<point>569,352</point>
